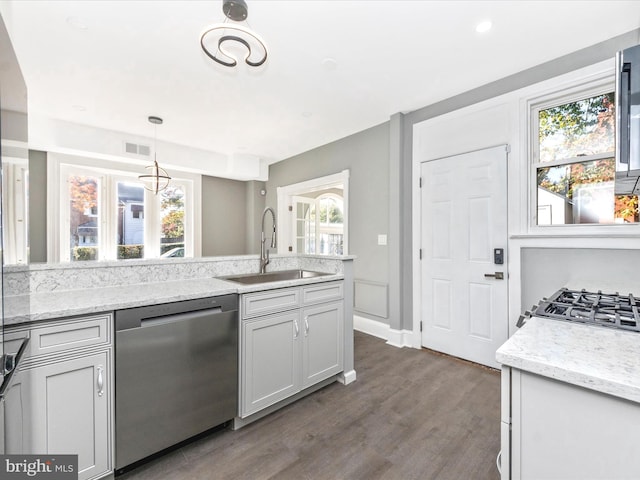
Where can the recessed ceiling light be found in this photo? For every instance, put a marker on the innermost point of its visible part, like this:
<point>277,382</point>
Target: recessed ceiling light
<point>76,22</point>
<point>483,27</point>
<point>329,63</point>
<point>79,108</point>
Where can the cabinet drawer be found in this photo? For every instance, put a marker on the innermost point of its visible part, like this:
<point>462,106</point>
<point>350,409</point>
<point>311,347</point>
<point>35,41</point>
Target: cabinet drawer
<point>63,336</point>
<point>322,292</point>
<point>255,304</point>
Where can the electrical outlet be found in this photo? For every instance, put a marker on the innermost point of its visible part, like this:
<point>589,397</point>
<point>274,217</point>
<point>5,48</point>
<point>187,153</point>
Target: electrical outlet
<point>382,239</point>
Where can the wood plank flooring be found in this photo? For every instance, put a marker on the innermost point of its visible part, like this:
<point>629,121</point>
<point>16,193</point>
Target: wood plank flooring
<point>411,414</point>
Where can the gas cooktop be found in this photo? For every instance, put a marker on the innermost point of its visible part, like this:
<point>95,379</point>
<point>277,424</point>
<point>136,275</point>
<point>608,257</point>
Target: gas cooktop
<point>594,308</point>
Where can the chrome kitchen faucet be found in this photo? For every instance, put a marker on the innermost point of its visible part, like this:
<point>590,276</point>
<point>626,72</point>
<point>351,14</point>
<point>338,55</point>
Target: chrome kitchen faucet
<point>264,253</point>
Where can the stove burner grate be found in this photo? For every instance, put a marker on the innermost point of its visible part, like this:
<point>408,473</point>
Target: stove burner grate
<point>594,308</point>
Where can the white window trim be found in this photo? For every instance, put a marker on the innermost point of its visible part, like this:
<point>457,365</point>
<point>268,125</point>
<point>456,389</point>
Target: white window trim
<point>285,193</point>
<point>56,193</point>
<point>599,83</point>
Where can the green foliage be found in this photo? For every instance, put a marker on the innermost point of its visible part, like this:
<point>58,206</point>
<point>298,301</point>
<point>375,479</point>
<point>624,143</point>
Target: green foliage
<point>173,213</point>
<point>130,251</point>
<point>84,253</point>
<point>585,127</point>
<point>331,207</point>
<point>173,224</point>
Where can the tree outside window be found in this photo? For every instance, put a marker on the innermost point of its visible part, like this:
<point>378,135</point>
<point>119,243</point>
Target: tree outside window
<point>577,140</point>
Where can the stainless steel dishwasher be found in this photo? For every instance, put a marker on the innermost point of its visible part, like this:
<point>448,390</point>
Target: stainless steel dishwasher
<point>176,374</point>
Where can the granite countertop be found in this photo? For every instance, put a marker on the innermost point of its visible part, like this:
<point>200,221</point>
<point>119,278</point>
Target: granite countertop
<point>597,358</point>
<point>67,303</point>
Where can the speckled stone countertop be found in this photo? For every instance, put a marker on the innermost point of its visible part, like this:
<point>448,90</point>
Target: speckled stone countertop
<point>67,303</point>
<point>597,358</point>
<point>45,292</point>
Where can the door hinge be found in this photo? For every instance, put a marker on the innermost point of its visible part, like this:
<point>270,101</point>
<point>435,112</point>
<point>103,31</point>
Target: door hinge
<point>507,148</point>
<point>290,248</point>
<point>291,208</point>
<point>420,254</point>
<point>420,182</point>
<point>420,325</point>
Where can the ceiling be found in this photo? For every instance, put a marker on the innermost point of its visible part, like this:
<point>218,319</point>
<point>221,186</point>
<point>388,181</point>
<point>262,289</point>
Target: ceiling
<point>335,67</point>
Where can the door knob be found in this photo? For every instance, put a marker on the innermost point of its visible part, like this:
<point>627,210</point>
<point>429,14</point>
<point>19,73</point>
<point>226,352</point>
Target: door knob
<point>497,275</point>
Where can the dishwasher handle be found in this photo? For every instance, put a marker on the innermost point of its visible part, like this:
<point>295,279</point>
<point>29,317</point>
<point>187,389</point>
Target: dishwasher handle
<point>152,315</point>
<point>180,317</point>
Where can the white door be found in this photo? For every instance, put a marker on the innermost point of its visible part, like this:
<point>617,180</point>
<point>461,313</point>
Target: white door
<point>304,225</point>
<point>464,218</point>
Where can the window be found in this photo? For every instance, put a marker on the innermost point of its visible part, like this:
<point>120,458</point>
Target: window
<point>313,215</point>
<point>320,224</point>
<point>172,218</point>
<point>107,214</point>
<point>574,163</point>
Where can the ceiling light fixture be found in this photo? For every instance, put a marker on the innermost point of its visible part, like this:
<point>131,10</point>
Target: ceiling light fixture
<point>483,27</point>
<point>218,40</point>
<point>158,179</point>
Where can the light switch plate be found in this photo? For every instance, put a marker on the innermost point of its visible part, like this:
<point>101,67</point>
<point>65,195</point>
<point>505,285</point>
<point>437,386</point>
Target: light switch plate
<point>382,239</point>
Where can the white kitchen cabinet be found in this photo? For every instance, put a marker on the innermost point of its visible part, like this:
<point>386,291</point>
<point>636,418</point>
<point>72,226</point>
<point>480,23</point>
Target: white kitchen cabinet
<point>271,360</point>
<point>285,352</point>
<point>69,411</point>
<point>322,342</point>
<point>558,430</point>
<point>65,389</point>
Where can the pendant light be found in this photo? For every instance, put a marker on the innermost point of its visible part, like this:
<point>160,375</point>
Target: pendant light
<point>157,179</point>
<point>216,38</point>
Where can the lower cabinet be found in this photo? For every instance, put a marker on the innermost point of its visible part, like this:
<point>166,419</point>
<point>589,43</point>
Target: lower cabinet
<point>271,360</point>
<point>63,398</point>
<point>554,430</point>
<point>322,342</point>
<point>69,411</point>
<point>286,352</point>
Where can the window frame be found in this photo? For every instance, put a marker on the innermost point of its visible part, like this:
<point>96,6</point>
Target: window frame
<point>596,85</point>
<point>58,234</point>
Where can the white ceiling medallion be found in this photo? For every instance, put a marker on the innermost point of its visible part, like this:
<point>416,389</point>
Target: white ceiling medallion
<point>222,41</point>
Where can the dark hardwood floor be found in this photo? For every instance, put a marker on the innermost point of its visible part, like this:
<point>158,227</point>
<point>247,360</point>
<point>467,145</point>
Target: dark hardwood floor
<point>411,414</point>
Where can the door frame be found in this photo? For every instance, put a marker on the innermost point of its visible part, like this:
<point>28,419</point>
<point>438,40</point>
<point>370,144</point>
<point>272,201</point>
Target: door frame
<point>285,193</point>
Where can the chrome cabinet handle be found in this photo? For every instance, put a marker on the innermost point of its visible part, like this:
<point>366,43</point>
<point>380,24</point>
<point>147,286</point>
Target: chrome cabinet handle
<point>295,324</point>
<point>306,326</point>
<point>100,382</point>
<point>497,275</point>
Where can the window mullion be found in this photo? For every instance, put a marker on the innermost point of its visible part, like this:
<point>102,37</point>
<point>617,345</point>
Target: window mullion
<point>151,225</point>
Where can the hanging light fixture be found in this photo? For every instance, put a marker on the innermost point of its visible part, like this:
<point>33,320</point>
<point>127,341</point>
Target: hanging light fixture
<point>157,179</point>
<point>216,39</point>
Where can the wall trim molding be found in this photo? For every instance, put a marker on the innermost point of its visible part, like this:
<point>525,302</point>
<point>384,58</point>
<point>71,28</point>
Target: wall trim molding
<point>396,338</point>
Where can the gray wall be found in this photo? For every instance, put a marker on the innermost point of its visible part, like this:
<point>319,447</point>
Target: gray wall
<point>224,216</point>
<point>366,156</point>
<point>255,207</point>
<point>545,270</point>
<point>37,206</point>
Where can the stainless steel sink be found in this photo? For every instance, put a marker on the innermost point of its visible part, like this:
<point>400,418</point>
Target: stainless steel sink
<point>252,278</point>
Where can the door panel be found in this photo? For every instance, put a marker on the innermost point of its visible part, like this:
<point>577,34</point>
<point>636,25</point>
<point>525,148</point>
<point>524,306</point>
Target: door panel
<point>464,217</point>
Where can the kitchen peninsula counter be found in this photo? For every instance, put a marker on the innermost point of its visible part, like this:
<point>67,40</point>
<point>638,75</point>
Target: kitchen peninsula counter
<point>597,358</point>
<point>112,286</point>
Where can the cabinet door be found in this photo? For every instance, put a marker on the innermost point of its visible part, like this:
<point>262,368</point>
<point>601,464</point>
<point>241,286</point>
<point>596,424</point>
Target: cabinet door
<point>271,355</point>
<point>69,411</point>
<point>322,339</point>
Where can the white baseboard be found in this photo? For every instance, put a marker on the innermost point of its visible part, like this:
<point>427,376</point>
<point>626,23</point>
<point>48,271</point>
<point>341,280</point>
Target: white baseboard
<point>347,377</point>
<point>397,338</point>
